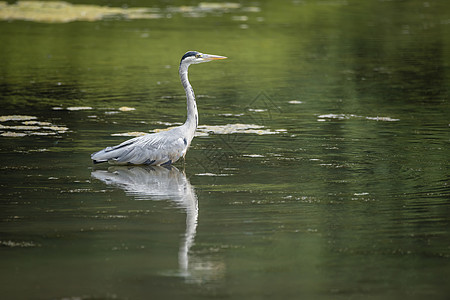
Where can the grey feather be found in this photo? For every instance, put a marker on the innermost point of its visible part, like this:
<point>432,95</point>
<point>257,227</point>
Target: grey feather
<point>156,148</point>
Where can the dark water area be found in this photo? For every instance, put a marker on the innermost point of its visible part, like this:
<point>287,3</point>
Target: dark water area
<point>320,169</point>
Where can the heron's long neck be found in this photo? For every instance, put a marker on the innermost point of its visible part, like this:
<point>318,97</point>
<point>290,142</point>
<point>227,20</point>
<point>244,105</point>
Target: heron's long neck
<point>192,113</point>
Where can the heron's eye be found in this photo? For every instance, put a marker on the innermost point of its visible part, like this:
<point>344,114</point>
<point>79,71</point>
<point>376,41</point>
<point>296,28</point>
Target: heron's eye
<point>198,55</point>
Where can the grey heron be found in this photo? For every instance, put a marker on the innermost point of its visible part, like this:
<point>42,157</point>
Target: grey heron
<point>166,147</point>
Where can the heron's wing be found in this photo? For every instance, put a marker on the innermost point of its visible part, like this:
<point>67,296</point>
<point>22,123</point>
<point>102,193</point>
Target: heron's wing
<point>152,149</point>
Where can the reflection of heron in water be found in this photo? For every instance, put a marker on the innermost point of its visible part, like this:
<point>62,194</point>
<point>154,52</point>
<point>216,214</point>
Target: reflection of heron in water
<point>163,183</point>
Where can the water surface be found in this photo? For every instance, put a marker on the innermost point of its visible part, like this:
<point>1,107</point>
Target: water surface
<point>320,169</point>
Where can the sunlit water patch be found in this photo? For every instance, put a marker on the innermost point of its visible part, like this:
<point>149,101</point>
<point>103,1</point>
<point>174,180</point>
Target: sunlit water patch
<point>63,12</point>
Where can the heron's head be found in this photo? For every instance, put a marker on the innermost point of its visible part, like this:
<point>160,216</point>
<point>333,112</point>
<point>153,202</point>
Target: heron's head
<point>195,57</point>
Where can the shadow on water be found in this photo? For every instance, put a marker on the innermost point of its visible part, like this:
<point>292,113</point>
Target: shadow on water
<point>165,183</point>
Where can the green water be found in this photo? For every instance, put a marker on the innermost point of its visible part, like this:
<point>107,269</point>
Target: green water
<point>342,192</point>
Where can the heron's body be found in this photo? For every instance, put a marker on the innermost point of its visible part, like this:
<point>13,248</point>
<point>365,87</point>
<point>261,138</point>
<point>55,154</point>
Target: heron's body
<point>166,147</point>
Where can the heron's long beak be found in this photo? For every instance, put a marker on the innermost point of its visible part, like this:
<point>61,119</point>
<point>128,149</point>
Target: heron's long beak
<point>212,57</point>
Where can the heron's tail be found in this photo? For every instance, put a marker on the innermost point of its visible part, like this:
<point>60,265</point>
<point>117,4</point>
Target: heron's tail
<point>99,157</point>
<point>111,153</point>
<point>98,162</point>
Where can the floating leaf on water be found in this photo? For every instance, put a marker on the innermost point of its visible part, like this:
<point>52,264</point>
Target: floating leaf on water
<point>29,127</point>
<point>16,118</point>
<point>41,133</point>
<point>73,108</point>
<point>56,128</point>
<point>20,127</point>
<point>163,129</point>
<point>133,133</point>
<point>36,123</point>
<point>126,108</point>
<point>12,134</point>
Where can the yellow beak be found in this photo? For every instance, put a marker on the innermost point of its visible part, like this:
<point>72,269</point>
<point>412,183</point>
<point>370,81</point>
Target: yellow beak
<point>212,57</point>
